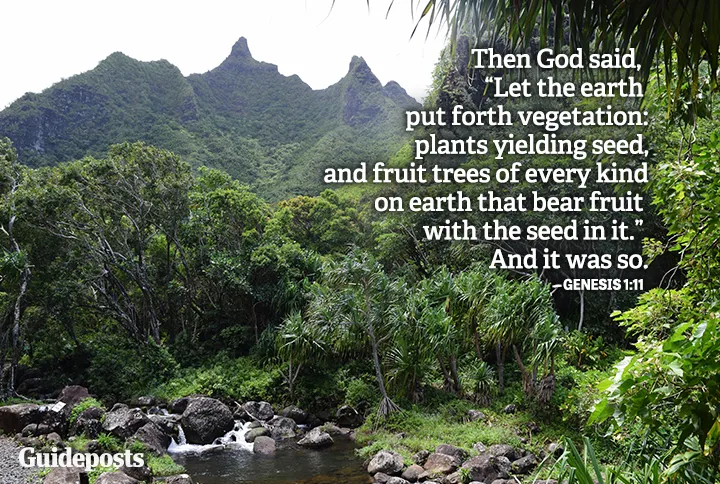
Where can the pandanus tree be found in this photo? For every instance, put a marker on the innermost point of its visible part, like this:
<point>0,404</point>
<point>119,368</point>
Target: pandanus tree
<point>353,305</point>
<point>518,313</point>
<point>298,343</point>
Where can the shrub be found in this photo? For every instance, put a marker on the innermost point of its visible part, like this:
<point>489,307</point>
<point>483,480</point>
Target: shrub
<point>82,406</point>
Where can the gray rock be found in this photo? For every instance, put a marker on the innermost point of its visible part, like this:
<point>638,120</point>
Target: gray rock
<point>89,422</point>
<point>525,465</point>
<point>441,463</point>
<point>476,415</point>
<point>512,408</point>
<point>116,478</point>
<point>347,416</point>
<point>206,419</point>
<point>167,423</point>
<point>54,438</point>
<point>413,473</point>
<point>36,430</point>
<point>297,414</point>
<point>73,394</point>
<point>259,410</point>
<point>387,462</point>
<point>397,480</point>
<point>179,405</point>
<point>505,450</point>
<point>142,474</point>
<point>316,439</point>
<point>14,418</point>
<point>66,475</point>
<point>451,450</point>
<point>480,448</point>
<point>153,437</point>
<point>421,457</point>
<point>282,428</point>
<point>381,477</point>
<point>179,479</point>
<point>555,449</point>
<point>123,421</point>
<point>454,478</point>
<point>264,445</point>
<point>487,468</point>
<point>253,434</point>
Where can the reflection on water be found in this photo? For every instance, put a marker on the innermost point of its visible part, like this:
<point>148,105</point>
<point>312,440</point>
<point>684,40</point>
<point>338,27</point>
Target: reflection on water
<point>290,464</point>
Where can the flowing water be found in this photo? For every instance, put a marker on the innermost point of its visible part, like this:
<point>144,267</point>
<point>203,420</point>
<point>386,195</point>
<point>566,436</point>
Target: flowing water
<point>231,461</point>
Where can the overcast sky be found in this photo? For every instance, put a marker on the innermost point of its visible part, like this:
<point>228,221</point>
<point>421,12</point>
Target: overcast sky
<point>45,41</point>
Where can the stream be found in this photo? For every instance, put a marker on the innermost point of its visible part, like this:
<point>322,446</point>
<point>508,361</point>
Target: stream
<point>232,461</point>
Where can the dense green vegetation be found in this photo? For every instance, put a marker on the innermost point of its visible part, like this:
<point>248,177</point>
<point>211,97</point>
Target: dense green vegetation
<point>134,274</point>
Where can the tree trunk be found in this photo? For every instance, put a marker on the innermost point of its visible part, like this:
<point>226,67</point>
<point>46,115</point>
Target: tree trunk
<point>454,372</point>
<point>500,356</point>
<point>528,382</point>
<point>24,279</point>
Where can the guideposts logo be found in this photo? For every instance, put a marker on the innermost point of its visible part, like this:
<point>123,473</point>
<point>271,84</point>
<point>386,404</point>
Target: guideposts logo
<point>87,462</point>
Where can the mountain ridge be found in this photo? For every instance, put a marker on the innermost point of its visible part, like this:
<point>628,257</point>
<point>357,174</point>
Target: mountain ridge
<point>269,130</point>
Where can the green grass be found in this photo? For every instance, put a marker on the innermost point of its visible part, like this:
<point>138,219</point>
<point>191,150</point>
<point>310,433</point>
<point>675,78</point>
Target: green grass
<point>424,428</point>
<point>163,466</point>
<point>79,443</point>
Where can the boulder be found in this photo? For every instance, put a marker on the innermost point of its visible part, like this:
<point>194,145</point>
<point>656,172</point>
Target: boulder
<point>413,473</point>
<point>282,428</point>
<point>555,450</point>
<point>316,439</point>
<point>441,463</point>
<point>145,401</point>
<point>505,450</point>
<point>179,479</point>
<point>14,418</point>
<point>66,475</point>
<point>347,416</point>
<point>179,405</point>
<point>524,465</point>
<point>253,434</point>
<point>397,480</point>
<point>476,415</point>
<point>264,445</point>
<point>480,448</point>
<point>454,478</point>
<point>259,410</point>
<point>89,422</point>
<point>73,394</point>
<point>36,430</point>
<point>142,474</point>
<point>451,450</point>
<point>421,457</point>
<point>116,478</point>
<point>387,462</point>
<point>512,408</point>
<point>54,438</point>
<point>487,468</point>
<point>153,437</point>
<point>381,477</point>
<point>206,419</point>
<point>299,415</point>
<point>123,421</point>
<point>167,423</point>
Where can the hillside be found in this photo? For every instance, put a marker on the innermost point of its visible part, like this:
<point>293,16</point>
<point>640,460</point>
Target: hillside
<point>264,128</point>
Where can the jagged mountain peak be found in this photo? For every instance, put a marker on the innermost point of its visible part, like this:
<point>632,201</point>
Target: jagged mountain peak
<point>264,128</point>
<point>241,49</point>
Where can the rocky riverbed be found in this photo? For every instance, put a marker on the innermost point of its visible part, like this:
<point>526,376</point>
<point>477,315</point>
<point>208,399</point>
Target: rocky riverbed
<point>10,469</point>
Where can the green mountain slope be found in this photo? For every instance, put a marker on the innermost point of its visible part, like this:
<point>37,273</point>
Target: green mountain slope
<point>264,128</point>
